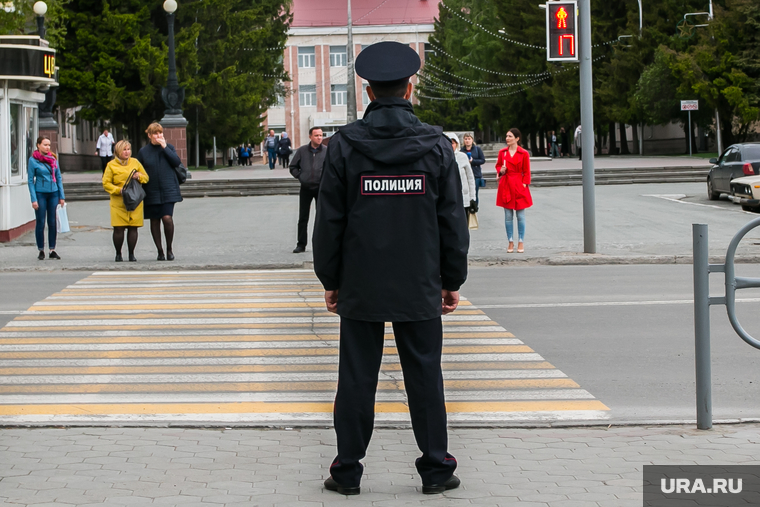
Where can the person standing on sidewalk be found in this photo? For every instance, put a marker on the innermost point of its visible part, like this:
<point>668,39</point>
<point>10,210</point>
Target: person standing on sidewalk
<point>46,190</point>
<point>284,149</point>
<point>270,144</point>
<point>465,175</point>
<point>564,144</point>
<point>162,190</point>
<point>104,148</point>
<point>513,167</point>
<point>477,158</point>
<point>390,245</point>
<point>578,142</point>
<point>306,167</point>
<point>554,147</point>
<point>117,174</point>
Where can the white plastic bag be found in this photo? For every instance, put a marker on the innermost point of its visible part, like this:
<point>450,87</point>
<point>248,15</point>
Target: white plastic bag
<point>62,219</point>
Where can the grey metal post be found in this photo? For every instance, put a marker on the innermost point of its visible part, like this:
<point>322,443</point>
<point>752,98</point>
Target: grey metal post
<point>350,77</point>
<point>587,128</point>
<point>702,326</point>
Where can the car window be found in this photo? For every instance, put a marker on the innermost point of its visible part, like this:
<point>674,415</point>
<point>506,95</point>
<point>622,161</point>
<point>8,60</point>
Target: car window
<point>751,152</point>
<point>730,155</point>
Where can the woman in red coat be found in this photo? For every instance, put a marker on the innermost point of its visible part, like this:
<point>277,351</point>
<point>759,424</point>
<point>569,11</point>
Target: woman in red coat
<point>513,167</point>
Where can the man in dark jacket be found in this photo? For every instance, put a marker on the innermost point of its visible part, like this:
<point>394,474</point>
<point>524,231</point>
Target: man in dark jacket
<point>390,245</point>
<point>306,166</point>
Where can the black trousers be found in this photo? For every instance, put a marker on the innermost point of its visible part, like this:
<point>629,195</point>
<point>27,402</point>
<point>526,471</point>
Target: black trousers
<point>104,162</point>
<point>305,195</point>
<point>361,351</point>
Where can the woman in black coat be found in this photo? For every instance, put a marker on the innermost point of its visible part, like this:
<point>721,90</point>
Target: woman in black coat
<point>162,190</point>
<point>284,149</point>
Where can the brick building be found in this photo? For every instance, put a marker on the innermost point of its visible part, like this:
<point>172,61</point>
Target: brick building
<point>315,57</point>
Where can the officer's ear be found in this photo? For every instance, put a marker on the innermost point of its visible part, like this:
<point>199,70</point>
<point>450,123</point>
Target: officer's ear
<point>408,93</point>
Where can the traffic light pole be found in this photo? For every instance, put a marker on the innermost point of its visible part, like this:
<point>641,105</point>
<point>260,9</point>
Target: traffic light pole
<point>587,127</point>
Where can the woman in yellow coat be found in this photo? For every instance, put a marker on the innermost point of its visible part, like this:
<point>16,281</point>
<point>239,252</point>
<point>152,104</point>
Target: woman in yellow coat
<point>117,173</point>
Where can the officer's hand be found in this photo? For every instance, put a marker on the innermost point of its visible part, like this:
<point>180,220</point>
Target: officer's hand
<point>473,206</point>
<point>331,301</point>
<point>450,300</point>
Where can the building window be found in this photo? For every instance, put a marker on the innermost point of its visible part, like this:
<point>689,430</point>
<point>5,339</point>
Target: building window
<point>338,56</point>
<point>306,57</point>
<point>338,95</point>
<point>307,95</point>
<point>429,51</point>
<point>16,139</point>
<point>365,97</point>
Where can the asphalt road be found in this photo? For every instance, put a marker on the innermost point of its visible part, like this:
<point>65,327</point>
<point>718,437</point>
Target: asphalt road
<point>623,333</point>
<point>626,334</point>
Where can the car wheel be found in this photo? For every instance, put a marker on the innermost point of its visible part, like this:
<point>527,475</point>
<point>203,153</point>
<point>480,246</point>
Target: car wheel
<point>750,208</point>
<point>711,193</point>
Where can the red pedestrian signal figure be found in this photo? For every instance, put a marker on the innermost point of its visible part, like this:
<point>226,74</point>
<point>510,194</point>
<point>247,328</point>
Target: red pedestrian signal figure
<point>561,18</point>
<point>562,31</point>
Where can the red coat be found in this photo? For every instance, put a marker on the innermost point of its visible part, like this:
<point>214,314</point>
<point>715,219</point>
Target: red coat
<point>512,194</point>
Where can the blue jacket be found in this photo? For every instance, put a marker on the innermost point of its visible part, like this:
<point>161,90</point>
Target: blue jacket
<point>478,159</point>
<point>41,179</point>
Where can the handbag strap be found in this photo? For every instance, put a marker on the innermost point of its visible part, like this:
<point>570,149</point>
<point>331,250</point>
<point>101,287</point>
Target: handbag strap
<point>128,180</point>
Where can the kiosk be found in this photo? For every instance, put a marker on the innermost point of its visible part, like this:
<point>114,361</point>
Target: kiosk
<point>27,72</point>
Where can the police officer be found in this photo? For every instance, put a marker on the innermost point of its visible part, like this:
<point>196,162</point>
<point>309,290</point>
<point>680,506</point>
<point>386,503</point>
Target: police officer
<point>390,245</point>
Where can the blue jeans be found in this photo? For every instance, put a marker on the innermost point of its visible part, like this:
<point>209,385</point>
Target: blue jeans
<point>508,220</point>
<point>554,150</point>
<point>48,202</point>
<point>272,157</point>
<point>478,183</point>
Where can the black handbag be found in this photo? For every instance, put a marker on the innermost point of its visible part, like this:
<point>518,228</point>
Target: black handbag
<point>182,173</point>
<point>132,193</point>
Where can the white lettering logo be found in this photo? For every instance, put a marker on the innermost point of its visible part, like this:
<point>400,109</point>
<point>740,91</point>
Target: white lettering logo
<point>698,486</point>
<point>393,185</point>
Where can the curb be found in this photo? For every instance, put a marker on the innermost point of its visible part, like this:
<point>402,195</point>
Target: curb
<point>558,260</point>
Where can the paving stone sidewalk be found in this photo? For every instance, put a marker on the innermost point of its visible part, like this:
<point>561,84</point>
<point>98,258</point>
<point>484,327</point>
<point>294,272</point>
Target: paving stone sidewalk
<point>557,467</point>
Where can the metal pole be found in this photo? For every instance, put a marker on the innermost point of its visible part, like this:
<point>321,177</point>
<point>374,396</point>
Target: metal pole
<point>718,136</point>
<point>641,19</point>
<point>197,148</point>
<point>41,26</point>
<point>690,133</point>
<point>350,78</point>
<point>587,128</point>
<point>702,326</point>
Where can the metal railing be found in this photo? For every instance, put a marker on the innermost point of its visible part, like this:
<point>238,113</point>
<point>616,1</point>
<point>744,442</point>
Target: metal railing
<point>702,303</point>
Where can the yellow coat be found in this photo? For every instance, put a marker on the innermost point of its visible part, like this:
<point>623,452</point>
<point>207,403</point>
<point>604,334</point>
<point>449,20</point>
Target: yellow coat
<point>114,178</point>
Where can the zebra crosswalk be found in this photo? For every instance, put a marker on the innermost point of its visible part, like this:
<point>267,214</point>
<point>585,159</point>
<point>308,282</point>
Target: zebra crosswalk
<point>245,347</point>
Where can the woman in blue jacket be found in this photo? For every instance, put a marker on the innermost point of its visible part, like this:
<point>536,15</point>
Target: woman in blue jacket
<point>46,190</point>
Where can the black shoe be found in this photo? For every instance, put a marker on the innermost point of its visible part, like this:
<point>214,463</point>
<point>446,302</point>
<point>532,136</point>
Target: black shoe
<point>132,258</point>
<point>41,256</point>
<point>434,489</point>
<point>161,256</point>
<point>169,256</point>
<point>54,255</point>
<point>118,257</point>
<point>299,249</point>
<point>331,485</point>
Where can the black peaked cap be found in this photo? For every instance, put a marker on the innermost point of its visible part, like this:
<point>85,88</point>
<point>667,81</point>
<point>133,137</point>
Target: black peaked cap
<point>387,61</point>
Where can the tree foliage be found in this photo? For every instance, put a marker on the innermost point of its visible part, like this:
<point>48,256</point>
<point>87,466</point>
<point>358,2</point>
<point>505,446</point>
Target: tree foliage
<point>228,52</point>
<point>639,77</point>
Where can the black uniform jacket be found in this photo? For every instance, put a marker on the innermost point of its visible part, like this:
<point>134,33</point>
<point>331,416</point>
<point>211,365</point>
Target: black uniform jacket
<point>306,165</point>
<point>390,229</point>
<point>159,163</point>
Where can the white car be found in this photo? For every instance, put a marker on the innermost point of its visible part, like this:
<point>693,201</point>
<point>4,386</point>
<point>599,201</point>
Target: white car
<point>746,191</point>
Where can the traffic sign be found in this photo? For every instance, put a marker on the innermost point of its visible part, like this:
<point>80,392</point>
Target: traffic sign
<point>689,105</point>
<point>562,31</point>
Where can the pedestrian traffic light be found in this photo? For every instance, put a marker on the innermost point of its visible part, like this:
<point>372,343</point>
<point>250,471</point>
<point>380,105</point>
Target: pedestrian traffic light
<point>561,31</point>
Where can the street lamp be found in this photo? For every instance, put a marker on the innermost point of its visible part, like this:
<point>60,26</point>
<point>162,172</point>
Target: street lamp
<point>40,8</point>
<point>173,94</point>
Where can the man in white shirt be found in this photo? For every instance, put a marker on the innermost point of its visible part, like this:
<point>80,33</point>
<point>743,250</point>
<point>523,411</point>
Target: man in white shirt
<point>579,142</point>
<point>104,148</point>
